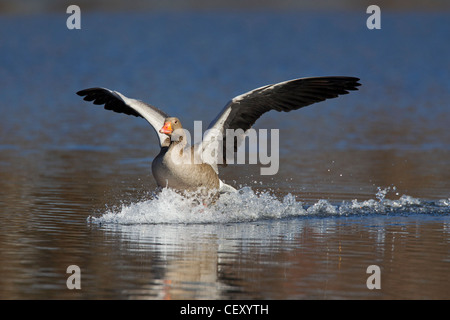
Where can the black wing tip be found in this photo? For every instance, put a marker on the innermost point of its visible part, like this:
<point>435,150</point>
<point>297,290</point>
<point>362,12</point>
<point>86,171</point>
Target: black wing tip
<point>82,93</point>
<point>353,80</point>
<point>110,99</point>
<point>345,82</point>
<point>336,82</point>
<point>85,92</point>
<point>352,83</point>
<point>339,84</point>
<point>97,95</point>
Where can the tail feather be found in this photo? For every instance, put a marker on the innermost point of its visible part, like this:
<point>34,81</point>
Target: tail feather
<point>225,188</point>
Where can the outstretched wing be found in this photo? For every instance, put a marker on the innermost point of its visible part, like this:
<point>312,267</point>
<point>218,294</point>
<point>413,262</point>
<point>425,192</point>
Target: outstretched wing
<point>243,111</point>
<point>117,102</point>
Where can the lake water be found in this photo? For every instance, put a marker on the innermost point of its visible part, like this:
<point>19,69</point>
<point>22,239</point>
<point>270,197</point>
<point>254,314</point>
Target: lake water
<point>363,180</point>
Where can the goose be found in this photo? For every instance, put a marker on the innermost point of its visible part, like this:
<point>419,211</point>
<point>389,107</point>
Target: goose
<point>178,164</point>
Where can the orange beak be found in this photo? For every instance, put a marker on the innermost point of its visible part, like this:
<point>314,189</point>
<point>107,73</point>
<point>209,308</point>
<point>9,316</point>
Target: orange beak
<point>167,128</point>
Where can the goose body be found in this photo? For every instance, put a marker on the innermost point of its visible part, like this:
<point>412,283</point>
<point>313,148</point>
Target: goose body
<point>181,166</point>
<point>181,175</point>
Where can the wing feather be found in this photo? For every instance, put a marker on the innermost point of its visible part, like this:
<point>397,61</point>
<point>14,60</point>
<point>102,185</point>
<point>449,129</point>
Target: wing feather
<point>243,111</point>
<point>117,102</point>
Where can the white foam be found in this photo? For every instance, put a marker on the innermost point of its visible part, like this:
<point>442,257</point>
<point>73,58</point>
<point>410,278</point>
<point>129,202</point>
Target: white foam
<point>169,207</point>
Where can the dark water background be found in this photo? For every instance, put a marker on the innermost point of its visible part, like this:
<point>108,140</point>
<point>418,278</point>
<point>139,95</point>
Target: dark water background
<point>369,171</point>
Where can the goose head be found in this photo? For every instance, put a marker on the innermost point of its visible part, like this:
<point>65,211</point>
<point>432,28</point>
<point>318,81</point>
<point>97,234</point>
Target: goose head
<point>170,125</point>
<point>173,128</point>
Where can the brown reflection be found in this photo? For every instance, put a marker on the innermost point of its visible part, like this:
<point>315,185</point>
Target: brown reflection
<point>305,259</point>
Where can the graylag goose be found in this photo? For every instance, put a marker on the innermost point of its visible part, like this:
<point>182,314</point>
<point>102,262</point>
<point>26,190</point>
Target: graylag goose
<point>177,165</point>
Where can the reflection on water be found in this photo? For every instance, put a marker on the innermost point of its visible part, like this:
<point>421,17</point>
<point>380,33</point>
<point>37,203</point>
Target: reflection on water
<point>301,259</point>
<point>290,259</point>
<point>363,180</point>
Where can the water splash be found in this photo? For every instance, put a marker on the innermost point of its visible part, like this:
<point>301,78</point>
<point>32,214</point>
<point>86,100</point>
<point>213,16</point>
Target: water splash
<point>169,207</point>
